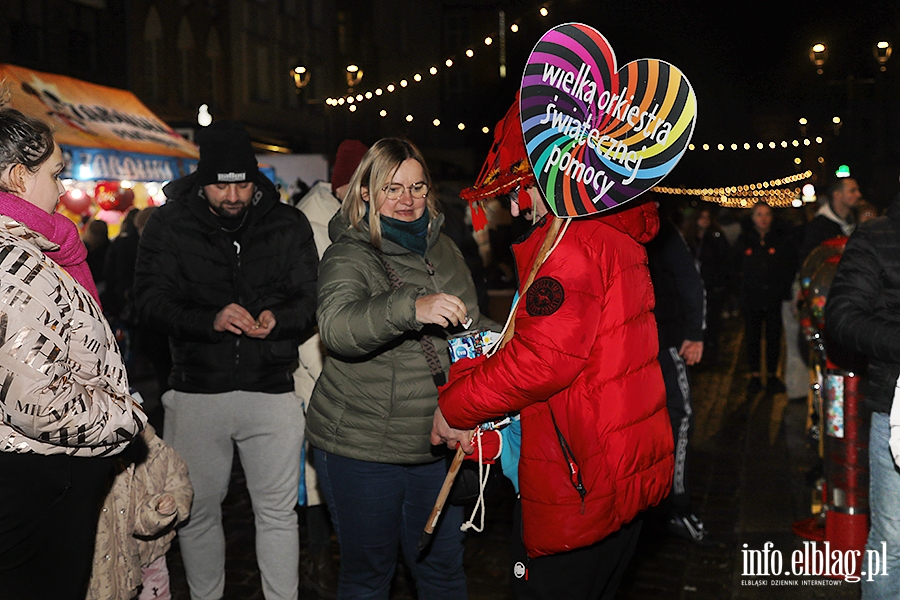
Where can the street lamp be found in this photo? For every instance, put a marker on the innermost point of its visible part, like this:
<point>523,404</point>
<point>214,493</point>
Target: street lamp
<point>301,76</point>
<point>354,76</point>
<point>203,116</point>
<point>818,54</point>
<point>882,52</point>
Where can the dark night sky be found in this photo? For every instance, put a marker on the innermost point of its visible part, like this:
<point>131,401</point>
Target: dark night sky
<point>749,66</point>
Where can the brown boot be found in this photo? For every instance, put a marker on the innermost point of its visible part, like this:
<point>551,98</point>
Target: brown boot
<point>321,575</point>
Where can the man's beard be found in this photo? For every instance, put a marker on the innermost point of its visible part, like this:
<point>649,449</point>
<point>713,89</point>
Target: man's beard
<point>222,212</point>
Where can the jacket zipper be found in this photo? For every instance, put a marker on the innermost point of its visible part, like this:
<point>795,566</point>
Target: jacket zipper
<point>429,268</point>
<point>237,338</point>
<point>574,469</point>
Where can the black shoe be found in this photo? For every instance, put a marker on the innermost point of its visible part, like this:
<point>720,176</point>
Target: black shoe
<point>320,575</point>
<point>775,386</point>
<point>689,527</point>
<point>754,386</point>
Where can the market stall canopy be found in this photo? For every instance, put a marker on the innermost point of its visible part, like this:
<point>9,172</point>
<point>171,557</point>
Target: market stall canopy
<point>104,132</point>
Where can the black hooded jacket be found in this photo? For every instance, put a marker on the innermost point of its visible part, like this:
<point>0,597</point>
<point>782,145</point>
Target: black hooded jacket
<point>680,296</point>
<point>189,268</point>
<point>863,308</point>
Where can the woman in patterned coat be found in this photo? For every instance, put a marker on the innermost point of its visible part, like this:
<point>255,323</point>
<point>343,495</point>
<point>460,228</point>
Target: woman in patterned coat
<point>64,403</point>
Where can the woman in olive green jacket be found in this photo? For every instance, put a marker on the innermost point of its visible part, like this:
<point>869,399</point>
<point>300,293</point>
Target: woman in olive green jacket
<point>389,286</point>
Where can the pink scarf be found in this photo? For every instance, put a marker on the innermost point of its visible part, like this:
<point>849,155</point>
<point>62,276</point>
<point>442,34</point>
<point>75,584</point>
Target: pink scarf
<point>72,253</point>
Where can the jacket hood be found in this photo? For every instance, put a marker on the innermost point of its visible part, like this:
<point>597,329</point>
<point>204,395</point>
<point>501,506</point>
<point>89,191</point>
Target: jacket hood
<point>828,212</point>
<point>640,222</point>
<point>188,189</point>
<point>339,227</point>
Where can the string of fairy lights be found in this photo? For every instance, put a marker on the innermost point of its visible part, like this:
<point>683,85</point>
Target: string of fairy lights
<point>353,100</point>
<point>757,146</point>
<point>776,192</point>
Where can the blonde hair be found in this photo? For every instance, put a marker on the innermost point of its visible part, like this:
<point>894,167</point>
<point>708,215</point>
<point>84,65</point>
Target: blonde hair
<point>375,171</point>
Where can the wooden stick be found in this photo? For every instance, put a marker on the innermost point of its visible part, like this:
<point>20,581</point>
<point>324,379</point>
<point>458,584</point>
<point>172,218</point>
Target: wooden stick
<point>441,499</point>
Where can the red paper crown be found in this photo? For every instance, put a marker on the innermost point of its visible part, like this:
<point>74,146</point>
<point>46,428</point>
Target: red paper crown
<point>505,168</point>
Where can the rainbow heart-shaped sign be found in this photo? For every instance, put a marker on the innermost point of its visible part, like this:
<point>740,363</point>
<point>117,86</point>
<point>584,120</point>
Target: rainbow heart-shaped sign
<point>597,136</point>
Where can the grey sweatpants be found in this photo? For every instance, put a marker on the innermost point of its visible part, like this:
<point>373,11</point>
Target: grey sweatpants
<point>268,432</point>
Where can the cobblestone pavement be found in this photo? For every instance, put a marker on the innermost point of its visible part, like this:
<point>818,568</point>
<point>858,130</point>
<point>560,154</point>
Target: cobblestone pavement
<point>749,459</point>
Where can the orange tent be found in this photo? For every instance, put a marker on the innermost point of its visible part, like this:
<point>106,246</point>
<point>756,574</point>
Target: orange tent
<point>105,133</point>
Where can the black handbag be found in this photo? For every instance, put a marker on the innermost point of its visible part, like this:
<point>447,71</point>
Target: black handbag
<point>465,488</point>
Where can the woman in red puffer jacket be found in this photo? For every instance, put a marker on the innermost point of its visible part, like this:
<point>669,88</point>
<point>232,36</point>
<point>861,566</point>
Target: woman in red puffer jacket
<point>581,370</point>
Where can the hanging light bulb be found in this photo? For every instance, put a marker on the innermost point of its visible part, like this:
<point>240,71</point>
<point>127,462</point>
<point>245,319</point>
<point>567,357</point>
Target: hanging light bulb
<point>203,116</point>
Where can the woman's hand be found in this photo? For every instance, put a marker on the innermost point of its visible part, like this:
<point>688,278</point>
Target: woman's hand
<point>441,309</point>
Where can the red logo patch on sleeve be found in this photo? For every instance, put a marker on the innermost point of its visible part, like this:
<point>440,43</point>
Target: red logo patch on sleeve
<point>544,297</point>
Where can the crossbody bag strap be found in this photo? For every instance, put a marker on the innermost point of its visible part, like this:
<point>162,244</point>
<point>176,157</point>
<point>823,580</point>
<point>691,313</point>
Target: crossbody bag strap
<point>428,349</point>
<point>551,239</point>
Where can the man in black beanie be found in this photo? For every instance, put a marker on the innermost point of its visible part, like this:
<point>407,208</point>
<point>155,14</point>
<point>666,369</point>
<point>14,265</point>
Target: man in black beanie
<point>230,273</point>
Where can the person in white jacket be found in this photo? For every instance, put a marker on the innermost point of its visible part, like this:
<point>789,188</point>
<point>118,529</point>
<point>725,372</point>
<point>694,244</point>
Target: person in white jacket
<point>65,409</point>
<point>320,204</point>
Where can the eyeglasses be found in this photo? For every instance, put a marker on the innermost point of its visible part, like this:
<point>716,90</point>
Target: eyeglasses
<point>394,191</point>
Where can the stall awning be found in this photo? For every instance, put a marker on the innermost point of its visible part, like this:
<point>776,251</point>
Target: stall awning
<point>105,133</point>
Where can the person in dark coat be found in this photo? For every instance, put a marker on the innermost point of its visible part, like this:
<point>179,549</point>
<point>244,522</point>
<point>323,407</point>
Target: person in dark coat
<point>118,276</point>
<point>765,259</point>
<point>229,272</point>
<point>710,248</point>
<point>118,271</point>
<point>863,315</point>
<point>835,217</point>
<point>96,239</point>
<point>681,323</point>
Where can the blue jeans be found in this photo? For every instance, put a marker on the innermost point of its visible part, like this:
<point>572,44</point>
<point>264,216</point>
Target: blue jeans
<point>884,511</point>
<point>377,508</point>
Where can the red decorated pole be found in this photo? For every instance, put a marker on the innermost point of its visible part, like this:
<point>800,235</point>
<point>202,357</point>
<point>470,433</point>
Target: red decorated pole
<point>846,465</point>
